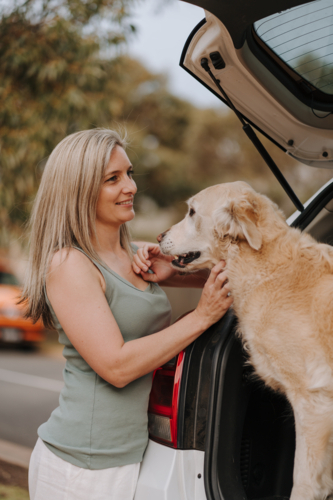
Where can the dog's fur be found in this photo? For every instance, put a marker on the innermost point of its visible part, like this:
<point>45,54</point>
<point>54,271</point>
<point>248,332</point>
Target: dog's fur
<point>282,284</point>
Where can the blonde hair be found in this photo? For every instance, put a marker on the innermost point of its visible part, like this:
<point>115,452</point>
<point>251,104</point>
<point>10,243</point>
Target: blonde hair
<point>64,211</point>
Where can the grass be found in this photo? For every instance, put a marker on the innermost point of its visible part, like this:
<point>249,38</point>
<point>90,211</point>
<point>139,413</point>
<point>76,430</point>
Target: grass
<point>13,493</point>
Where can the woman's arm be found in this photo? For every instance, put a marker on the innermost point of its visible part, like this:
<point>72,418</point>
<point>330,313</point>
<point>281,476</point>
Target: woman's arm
<point>75,290</point>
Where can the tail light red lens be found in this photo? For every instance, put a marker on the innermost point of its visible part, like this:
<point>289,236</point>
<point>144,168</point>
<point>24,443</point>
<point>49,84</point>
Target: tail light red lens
<point>163,402</point>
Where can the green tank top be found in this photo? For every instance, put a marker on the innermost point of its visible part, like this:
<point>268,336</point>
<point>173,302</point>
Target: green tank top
<point>97,425</point>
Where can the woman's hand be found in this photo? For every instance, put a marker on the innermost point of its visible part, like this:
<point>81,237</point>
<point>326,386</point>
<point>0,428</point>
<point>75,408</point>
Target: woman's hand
<point>215,298</point>
<point>150,257</point>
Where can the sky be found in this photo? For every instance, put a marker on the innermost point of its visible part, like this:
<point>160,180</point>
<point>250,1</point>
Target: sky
<point>163,28</point>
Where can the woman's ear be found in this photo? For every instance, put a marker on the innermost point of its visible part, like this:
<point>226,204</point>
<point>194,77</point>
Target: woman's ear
<point>238,217</point>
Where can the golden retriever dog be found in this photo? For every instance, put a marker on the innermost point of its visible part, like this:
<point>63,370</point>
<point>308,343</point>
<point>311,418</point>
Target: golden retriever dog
<point>282,284</point>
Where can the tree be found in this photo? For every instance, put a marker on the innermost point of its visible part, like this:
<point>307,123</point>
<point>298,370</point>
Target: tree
<point>53,82</point>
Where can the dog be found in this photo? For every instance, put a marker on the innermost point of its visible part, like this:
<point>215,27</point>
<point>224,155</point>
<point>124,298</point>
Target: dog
<point>282,284</point>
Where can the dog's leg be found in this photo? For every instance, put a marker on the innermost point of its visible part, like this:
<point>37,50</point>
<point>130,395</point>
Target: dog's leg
<point>314,451</point>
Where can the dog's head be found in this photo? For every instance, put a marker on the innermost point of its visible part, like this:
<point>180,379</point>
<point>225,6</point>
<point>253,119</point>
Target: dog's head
<point>217,217</point>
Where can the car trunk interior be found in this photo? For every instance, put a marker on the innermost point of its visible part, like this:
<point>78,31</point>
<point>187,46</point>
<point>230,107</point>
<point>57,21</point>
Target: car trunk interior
<point>250,441</point>
<point>268,445</point>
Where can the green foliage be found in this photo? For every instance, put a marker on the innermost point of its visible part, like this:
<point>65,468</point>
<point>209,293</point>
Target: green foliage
<point>52,83</point>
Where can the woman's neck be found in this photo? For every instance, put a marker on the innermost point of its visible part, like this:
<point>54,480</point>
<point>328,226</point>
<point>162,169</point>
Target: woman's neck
<point>107,240</point>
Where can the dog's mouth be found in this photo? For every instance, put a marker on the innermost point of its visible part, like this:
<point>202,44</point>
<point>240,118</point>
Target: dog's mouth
<point>185,258</point>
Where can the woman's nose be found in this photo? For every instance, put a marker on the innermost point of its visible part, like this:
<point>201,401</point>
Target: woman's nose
<point>130,186</point>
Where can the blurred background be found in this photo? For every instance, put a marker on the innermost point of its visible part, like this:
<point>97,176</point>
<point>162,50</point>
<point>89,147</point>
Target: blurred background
<point>69,65</point>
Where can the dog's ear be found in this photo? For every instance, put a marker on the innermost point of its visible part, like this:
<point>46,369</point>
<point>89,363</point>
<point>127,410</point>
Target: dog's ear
<point>238,218</point>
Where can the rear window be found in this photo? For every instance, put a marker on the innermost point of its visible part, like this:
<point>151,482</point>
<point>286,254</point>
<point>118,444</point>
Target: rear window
<point>302,37</point>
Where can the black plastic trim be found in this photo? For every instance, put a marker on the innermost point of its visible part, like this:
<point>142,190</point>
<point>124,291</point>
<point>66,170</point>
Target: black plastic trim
<point>196,390</point>
<point>182,65</point>
<point>313,209</point>
<point>217,372</point>
<point>182,396</point>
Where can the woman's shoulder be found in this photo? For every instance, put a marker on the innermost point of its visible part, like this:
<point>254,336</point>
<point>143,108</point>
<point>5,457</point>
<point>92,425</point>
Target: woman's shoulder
<point>70,263</point>
<point>68,257</point>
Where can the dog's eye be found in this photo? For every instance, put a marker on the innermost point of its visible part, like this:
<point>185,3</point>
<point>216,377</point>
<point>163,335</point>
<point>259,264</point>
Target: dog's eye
<point>191,212</point>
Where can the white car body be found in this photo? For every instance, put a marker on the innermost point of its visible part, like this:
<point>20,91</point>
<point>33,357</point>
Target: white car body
<point>169,474</point>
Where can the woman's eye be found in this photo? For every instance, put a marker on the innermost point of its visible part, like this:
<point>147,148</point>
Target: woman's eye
<point>191,212</point>
<point>130,173</point>
<point>114,178</point>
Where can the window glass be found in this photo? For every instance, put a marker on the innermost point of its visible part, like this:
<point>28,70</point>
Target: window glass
<point>303,38</point>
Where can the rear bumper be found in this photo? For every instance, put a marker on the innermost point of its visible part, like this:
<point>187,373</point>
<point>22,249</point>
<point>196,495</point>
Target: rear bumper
<point>168,474</point>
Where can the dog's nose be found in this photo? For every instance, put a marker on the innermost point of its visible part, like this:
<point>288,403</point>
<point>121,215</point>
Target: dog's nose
<point>161,236</point>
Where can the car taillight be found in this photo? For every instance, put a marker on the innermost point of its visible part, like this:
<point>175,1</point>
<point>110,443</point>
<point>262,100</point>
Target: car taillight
<point>163,402</point>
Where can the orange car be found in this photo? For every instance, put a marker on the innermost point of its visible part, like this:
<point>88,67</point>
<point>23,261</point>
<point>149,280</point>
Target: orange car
<point>14,328</point>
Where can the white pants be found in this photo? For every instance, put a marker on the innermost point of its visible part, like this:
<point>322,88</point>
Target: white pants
<point>51,478</point>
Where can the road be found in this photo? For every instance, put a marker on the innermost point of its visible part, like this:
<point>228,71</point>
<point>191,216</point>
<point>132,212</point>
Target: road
<point>30,384</point>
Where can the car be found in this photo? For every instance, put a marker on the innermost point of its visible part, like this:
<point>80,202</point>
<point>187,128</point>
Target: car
<point>15,329</point>
<point>216,432</point>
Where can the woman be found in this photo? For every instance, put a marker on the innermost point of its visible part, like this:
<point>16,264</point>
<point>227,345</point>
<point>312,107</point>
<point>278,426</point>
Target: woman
<point>113,324</point>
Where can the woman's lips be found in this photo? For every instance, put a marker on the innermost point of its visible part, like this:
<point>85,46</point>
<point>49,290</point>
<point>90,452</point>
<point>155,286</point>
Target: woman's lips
<point>126,202</point>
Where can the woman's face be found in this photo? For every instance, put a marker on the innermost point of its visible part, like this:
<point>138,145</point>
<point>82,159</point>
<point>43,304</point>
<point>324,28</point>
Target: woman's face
<point>115,201</point>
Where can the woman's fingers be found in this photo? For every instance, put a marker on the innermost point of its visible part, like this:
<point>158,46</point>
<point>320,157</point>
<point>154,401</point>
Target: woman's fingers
<point>139,264</point>
<point>153,249</point>
<point>218,277</point>
<point>221,280</point>
<point>146,256</point>
<point>216,295</point>
<point>215,272</point>
<point>141,260</point>
<point>143,253</point>
<point>222,284</point>
<point>150,277</point>
<point>136,268</point>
